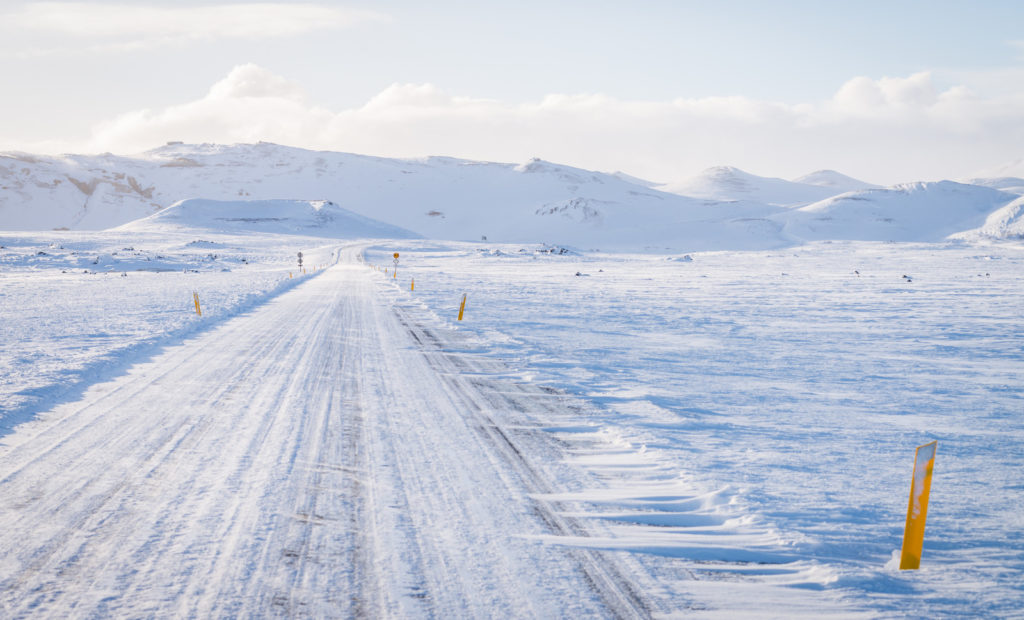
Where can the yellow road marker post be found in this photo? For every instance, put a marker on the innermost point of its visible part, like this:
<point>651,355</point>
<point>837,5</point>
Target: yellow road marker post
<point>412,284</point>
<point>463,306</point>
<point>917,511</point>
<point>195,298</point>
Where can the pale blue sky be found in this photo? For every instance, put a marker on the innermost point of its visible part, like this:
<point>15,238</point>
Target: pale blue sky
<point>71,77</point>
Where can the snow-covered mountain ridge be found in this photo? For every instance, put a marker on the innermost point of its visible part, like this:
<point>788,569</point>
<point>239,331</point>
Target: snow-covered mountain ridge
<point>906,212</point>
<point>835,181</point>
<point>728,183</point>
<point>436,197</point>
<point>537,201</point>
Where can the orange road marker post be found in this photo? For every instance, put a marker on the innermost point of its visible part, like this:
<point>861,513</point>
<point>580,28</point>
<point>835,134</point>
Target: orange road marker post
<point>412,284</point>
<point>462,307</point>
<point>195,298</point>
<point>917,511</point>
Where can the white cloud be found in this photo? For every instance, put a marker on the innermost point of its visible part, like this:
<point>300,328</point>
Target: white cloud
<point>134,26</point>
<point>887,130</point>
<point>250,80</point>
<point>863,96</point>
<point>248,105</point>
<point>410,96</point>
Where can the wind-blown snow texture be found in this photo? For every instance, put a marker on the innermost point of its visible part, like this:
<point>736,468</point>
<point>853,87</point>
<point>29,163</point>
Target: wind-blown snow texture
<point>790,388</point>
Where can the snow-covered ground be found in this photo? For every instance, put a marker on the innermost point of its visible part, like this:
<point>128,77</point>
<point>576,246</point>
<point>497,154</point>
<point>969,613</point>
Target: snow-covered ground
<point>716,434</point>
<point>70,317</point>
<point>792,386</point>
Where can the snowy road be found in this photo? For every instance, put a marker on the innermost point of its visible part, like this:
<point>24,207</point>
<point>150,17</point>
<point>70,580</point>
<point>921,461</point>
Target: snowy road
<point>321,455</point>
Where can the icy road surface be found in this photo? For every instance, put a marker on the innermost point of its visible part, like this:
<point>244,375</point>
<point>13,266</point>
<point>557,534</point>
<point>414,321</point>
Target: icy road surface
<point>333,453</point>
<point>322,455</point>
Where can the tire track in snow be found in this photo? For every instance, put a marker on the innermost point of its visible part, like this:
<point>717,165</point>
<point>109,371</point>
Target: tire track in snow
<point>95,515</point>
<point>303,459</point>
<point>484,398</point>
<point>651,541</point>
<point>93,455</point>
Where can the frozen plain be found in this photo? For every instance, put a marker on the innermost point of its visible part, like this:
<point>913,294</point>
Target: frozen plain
<point>721,455</point>
<point>796,382</point>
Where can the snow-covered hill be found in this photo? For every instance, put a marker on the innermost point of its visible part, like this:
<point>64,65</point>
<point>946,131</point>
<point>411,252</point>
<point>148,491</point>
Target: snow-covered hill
<point>1004,223</point>
<point>310,218</point>
<point>910,212</point>
<point>446,198</point>
<point>728,183</point>
<point>1013,185</point>
<point>437,197</point>
<point>834,181</point>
